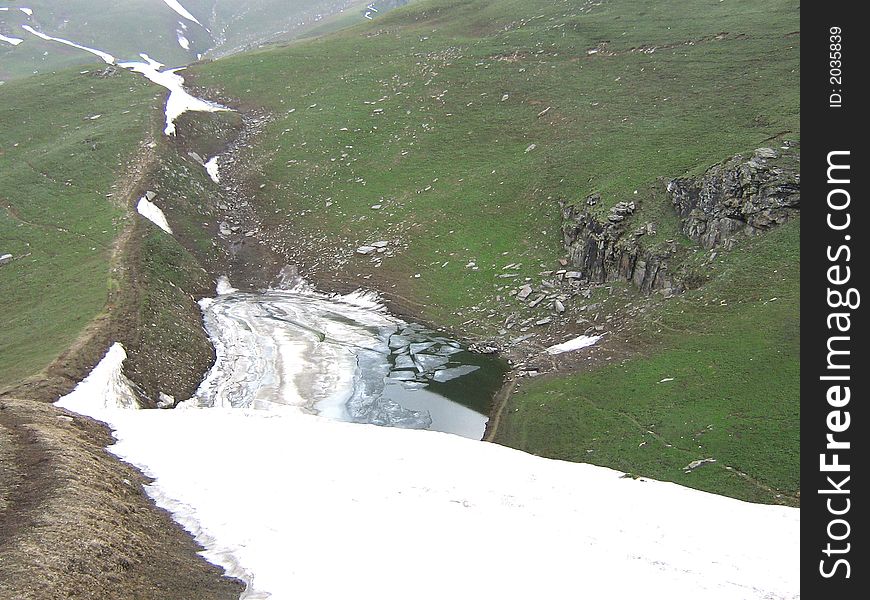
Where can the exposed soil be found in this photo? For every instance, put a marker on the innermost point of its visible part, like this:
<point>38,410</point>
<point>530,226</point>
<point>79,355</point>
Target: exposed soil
<point>74,522</point>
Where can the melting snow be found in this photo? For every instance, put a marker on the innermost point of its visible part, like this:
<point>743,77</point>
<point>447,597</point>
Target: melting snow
<point>183,42</point>
<point>27,11</point>
<point>107,58</point>
<point>10,40</point>
<point>280,498</point>
<point>104,389</point>
<point>179,100</point>
<point>575,344</point>
<point>177,7</point>
<point>152,212</point>
<point>211,167</point>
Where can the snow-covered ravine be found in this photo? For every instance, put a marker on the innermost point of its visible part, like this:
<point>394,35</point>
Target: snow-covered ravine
<point>303,505</point>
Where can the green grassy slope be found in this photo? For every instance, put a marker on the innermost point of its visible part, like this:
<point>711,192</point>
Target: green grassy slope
<point>409,114</point>
<point>731,349</point>
<point>58,162</point>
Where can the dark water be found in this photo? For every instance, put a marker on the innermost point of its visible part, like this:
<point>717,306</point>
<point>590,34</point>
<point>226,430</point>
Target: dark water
<point>438,376</point>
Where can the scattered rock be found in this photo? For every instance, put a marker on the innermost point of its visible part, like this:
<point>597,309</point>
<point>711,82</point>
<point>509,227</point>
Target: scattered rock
<point>524,292</point>
<point>365,250</point>
<point>697,463</point>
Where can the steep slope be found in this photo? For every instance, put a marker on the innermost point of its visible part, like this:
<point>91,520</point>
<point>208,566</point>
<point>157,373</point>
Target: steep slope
<point>459,131</point>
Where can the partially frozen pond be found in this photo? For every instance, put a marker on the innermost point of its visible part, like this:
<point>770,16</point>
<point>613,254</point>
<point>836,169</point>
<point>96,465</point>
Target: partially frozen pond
<point>345,358</point>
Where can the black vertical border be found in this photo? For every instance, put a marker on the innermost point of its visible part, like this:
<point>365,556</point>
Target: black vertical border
<point>826,128</point>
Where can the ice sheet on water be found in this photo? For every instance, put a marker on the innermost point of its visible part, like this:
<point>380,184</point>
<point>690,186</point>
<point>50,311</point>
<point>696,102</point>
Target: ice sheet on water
<point>452,373</point>
<point>426,363</point>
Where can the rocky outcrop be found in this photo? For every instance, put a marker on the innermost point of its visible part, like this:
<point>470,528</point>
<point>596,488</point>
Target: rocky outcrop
<point>601,250</point>
<point>739,195</point>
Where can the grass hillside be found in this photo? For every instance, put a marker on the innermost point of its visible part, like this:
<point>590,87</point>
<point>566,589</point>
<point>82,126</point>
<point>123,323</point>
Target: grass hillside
<point>431,113</point>
<point>717,377</point>
<point>128,27</point>
<point>76,151</point>
<point>65,143</point>
<point>453,129</point>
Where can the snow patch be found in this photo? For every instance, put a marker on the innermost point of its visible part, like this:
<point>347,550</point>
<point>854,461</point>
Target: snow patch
<point>224,287</point>
<point>183,41</point>
<point>152,212</point>
<point>105,389</point>
<point>27,11</point>
<point>177,7</point>
<point>443,504</point>
<point>577,343</point>
<point>211,167</point>
<point>179,100</point>
<point>10,40</point>
<point>107,58</point>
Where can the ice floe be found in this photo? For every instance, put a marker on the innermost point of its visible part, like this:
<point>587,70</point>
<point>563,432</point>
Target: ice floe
<point>152,212</point>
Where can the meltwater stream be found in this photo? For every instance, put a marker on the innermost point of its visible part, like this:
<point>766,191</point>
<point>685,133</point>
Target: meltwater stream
<point>344,358</point>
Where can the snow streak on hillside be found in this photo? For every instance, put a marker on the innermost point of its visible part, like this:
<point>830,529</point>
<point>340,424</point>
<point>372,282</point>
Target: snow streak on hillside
<point>177,7</point>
